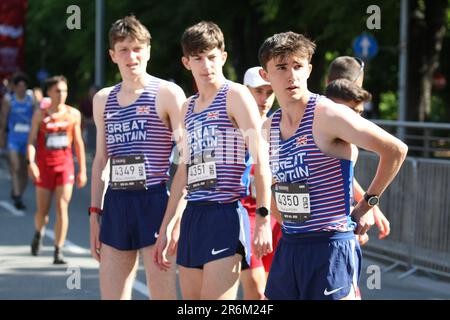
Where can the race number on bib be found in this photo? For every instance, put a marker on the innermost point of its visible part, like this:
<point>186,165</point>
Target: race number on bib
<point>292,200</point>
<point>21,128</point>
<point>57,140</point>
<point>127,172</point>
<point>202,174</point>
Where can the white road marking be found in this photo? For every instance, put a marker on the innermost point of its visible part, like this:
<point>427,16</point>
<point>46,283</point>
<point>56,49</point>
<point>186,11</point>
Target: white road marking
<point>72,247</point>
<point>8,206</point>
<point>69,245</point>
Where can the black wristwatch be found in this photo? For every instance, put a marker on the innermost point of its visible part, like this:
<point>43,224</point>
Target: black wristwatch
<point>263,211</point>
<point>372,200</point>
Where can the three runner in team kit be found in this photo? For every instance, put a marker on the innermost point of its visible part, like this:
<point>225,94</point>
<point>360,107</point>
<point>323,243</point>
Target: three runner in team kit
<point>298,164</point>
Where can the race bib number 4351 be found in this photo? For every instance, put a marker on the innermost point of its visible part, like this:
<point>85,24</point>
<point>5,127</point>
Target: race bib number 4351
<point>202,176</point>
<point>292,200</point>
<point>128,172</point>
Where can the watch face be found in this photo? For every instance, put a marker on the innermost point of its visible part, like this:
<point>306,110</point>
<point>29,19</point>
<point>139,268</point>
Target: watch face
<point>373,201</point>
<point>262,211</point>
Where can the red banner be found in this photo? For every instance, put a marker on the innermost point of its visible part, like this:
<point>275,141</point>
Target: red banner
<point>12,36</point>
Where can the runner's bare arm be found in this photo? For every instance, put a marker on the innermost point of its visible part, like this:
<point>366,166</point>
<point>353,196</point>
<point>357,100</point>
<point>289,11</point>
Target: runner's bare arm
<point>35,123</point>
<point>346,125</point>
<point>176,201</point>
<point>79,149</point>
<point>244,112</point>
<point>170,101</point>
<point>171,98</point>
<point>336,123</point>
<point>273,206</point>
<point>35,103</point>
<point>4,111</point>
<point>98,165</point>
<point>31,149</point>
<point>169,104</point>
<point>101,158</point>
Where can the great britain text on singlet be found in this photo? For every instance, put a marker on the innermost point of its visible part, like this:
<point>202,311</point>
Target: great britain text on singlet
<point>291,168</point>
<point>123,132</point>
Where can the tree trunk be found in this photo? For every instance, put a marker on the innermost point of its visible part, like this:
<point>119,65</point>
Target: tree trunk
<point>427,30</point>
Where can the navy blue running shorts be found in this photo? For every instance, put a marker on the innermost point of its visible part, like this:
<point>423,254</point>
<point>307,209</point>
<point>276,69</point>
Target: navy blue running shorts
<point>320,266</point>
<point>131,219</point>
<point>210,231</point>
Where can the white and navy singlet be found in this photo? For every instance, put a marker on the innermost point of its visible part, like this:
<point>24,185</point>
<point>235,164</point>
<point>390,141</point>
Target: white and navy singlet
<point>212,132</point>
<point>299,160</point>
<point>137,130</point>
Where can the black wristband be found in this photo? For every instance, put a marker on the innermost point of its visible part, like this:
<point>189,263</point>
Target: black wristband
<point>263,211</point>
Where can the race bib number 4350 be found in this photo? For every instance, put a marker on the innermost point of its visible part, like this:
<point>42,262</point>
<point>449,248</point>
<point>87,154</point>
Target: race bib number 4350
<point>292,200</point>
<point>128,172</point>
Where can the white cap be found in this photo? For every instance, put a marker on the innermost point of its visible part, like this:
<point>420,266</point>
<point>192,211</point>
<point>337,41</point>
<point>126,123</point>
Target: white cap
<point>253,79</point>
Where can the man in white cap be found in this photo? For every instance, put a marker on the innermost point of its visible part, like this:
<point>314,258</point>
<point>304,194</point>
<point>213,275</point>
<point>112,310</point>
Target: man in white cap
<point>261,90</point>
<point>254,278</point>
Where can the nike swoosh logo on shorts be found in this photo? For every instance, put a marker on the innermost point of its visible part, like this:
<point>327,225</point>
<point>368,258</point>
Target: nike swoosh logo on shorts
<point>214,252</point>
<point>156,235</point>
<point>327,293</point>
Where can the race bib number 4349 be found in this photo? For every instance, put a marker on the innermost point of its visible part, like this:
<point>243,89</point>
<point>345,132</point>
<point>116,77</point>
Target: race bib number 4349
<point>128,172</point>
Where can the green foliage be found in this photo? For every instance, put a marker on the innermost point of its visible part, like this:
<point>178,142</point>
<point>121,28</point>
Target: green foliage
<point>51,45</point>
<point>388,105</point>
<point>439,110</point>
<point>331,24</point>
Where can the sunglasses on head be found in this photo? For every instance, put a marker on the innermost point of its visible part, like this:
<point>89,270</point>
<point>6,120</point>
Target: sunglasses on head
<point>361,69</point>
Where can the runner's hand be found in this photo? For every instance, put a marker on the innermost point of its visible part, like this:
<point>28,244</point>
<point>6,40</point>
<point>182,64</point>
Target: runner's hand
<point>33,170</point>
<point>382,223</point>
<point>174,237</point>
<point>363,216</point>
<point>160,251</point>
<point>362,239</point>
<point>94,235</point>
<point>262,240</point>
<point>81,179</point>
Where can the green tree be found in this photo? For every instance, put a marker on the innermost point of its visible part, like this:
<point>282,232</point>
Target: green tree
<point>331,24</point>
<point>428,21</point>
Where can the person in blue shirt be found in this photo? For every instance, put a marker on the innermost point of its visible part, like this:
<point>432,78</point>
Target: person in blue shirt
<point>15,123</point>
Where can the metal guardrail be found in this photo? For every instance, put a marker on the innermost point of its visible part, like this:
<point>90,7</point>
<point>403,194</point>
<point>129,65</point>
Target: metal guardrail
<point>427,139</point>
<point>417,204</point>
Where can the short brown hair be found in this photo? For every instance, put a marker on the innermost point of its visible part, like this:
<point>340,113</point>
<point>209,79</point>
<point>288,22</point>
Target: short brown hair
<point>131,27</point>
<point>347,90</point>
<point>50,82</point>
<point>285,44</point>
<point>201,37</point>
<point>344,67</point>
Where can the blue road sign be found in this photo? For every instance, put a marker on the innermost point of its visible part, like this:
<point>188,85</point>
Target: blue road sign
<point>42,75</point>
<point>365,46</point>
